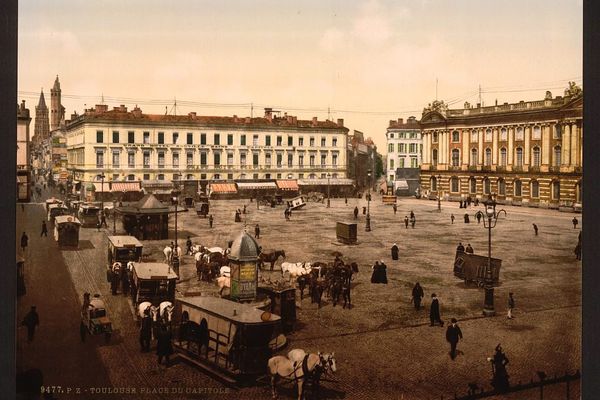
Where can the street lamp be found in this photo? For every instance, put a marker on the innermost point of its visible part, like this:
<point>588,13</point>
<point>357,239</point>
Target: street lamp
<point>102,191</point>
<point>175,193</point>
<point>328,201</point>
<point>368,226</point>
<point>439,181</point>
<point>492,219</point>
<point>114,216</point>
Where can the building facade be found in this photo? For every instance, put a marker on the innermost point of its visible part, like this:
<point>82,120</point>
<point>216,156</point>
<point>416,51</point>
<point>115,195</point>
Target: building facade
<point>130,145</point>
<point>404,146</point>
<point>362,156</point>
<point>23,153</point>
<point>526,153</point>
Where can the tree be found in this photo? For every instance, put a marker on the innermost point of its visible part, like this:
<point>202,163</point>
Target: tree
<point>378,166</point>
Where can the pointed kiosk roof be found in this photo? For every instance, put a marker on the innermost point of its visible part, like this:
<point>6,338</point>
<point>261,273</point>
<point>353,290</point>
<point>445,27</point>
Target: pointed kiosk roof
<point>244,248</point>
<point>150,202</point>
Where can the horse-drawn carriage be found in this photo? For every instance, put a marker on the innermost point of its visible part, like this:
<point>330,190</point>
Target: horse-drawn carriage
<point>55,210</point>
<point>66,230</point>
<point>122,250</point>
<point>52,200</point>
<point>89,214</point>
<point>153,283</point>
<point>233,339</point>
<point>472,268</point>
<point>94,319</point>
<point>202,206</point>
<point>317,197</point>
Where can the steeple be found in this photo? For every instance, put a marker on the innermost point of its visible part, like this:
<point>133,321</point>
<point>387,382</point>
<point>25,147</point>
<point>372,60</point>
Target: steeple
<point>56,84</point>
<point>57,111</point>
<point>42,124</point>
<point>42,103</point>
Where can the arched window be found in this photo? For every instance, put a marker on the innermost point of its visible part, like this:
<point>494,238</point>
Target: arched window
<point>454,185</point>
<point>519,157</point>
<point>556,160</point>
<point>537,133</point>
<point>488,157</point>
<point>501,187</point>
<point>334,175</point>
<point>488,135</point>
<point>434,157</point>
<point>503,157</point>
<point>519,135</point>
<point>518,188</point>
<point>312,176</point>
<point>503,134</point>
<point>455,157</point>
<point>433,181</point>
<point>556,190</point>
<point>535,189</point>
<point>536,157</point>
<point>486,186</point>
<point>474,136</point>
<point>455,136</point>
<point>474,157</point>
<point>472,186</point>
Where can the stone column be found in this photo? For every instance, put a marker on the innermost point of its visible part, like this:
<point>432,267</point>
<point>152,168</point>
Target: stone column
<point>527,149</point>
<point>566,145</point>
<point>574,145</point>
<point>511,143</point>
<point>495,134</point>
<point>545,145</point>
<point>480,147</point>
<point>426,148</point>
<point>580,147</point>
<point>466,140</point>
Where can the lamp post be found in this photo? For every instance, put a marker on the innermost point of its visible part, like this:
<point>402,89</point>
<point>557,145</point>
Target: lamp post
<point>439,181</point>
<point>368,226</point>
<point>328,201</point>
<point>175,193</point>
<point>102,191</point>
<point>114,216</point>
<point>492,219</point>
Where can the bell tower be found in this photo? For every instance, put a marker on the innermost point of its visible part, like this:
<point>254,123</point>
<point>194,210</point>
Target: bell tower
<point>57,111</point>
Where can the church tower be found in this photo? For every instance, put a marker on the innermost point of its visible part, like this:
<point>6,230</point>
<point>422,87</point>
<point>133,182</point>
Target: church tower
<point>42,126</point>
<point>57,111</point>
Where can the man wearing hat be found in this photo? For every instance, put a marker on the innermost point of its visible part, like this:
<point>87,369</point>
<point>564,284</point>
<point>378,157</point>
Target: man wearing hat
<point>511,305</point>
<point>31,321</point>
<point>453,335</point>
<point>395,252</point>
<point>434,311</point>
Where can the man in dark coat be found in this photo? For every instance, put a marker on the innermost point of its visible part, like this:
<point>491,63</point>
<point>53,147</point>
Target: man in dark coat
<point>257,231</point>
<point>575,222</point>
<point>467,218</point>
<point>31,321</point>
<point>44,229</point>
<point>453,335</point>
<point>24,241</point>
<point>535,229</point>
<point>469,249</point>
<point>164,347</point>
<point>460,248</point>
<point>395,252</point>
<point>146,331</point>
<point>210,221</point>
<point>500,375</point>
<point>406,222</point>
<point>115,278</point>
<point>356,212</point>
<point>395,208</point>
<point>417,295</point>
<point>434,311</point>
<point>478,216</point>
<point>452,218</point>
<point>412,215</point>
<point>188,245</point>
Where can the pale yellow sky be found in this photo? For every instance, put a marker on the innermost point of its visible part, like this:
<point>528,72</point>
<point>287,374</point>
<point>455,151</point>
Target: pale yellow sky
<point>368,61</point>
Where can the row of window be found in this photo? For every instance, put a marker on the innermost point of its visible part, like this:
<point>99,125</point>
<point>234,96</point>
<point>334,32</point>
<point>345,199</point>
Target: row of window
<point>534,187</point>
<point>536,134</point>
<point>174,177</point>
<point>401,163</point>
<point>487,161</point>
<point>116,159</point>
<point>216,139</point>
<point>405,135</point>
<point>406,148</point>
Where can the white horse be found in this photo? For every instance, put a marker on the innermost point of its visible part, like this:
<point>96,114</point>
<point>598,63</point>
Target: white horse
<point>296,269</point>
<point>225,271</point>
<point>130,266</point>
<point>116,267</point>
<point>280,366</point>
<point>223,282</point>
<point>197,248</point>
<point>147,306</point>
<point>168,252</point>
<point>165,311</point>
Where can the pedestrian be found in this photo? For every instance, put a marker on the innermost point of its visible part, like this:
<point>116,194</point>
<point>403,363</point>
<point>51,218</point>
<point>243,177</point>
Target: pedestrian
<point>469,249</point>
<point>575,222</point>
<point>244,209</point>
<point>164,347</point>
<point>406,222</point>
<point>145,331</point>
<point>345,199</point>
<point>417,295</point>
<point>395,252</point>
<point>98,225</point>
<point>500,381</point>
<point>24,242</point>
<point>44,229</point>
<point>103,219</point>
<point>125,281</point>
<point>434,311</point>
<point>364,210</point>
<point>257,231</point>
<point>467,218</point>
<point>115,278</point>
<point>453,335</point>
<point>452,218</point>
<point>511,305</point>
<point>460,204</point>
<point>188,245</point>
<point>460,248</point>
<point>412,215</point>
<point>535,229</point>
<point>413,221</point>
<point>31,321</point>
<point>476,202</point>
<point>395,208</point>
<point>286,214</point>
<point>210,220</point>
<point>356,212</point>
<point>478,216</point>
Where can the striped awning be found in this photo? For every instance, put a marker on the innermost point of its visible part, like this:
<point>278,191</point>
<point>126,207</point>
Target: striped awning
<point>324,181</point>
<point>223,188</point>
<point>256,185</point>
<point>126,187</point>
<point>287,184</point>
<point>102,188</point>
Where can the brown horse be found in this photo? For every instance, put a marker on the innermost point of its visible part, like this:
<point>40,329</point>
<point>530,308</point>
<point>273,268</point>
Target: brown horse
<point>270,257</point>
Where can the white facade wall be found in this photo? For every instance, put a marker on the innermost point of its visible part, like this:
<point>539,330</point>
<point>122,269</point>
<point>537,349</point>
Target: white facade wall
<point>399,153</point>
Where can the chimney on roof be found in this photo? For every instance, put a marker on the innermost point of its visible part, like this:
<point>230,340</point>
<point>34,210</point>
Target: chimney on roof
<point>289,118</point>
<point>392,122</point>
<point>100,108</point>
<point>467,105</point>
<point>192,114</point>
<point>400,121</point>
<point>314,121</point>
<point>235,118</point>
<point>248,120</point>
<point>412,119</point>
<point>269,113</point>
<point>478,105</point>
<point>137,112</point>
<point>340,121</point>
<point>74,115</point>
<point>23,105</point>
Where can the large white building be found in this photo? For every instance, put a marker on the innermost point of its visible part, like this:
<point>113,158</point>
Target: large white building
<point>129,145</point>
<point>404,146</point>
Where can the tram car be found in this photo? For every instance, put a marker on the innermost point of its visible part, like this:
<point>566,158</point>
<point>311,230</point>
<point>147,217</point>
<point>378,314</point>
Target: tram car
<point>296,203</point>
<point>472,268</point>
<point>202,206</point>
<point>94,319</point>
<point>66,230</point>
<point>56,209</point>
<point>124,249</point>
<point>235,340</point>
<point>89,214</point>
<point>52,200</point>
<point>152,282</point>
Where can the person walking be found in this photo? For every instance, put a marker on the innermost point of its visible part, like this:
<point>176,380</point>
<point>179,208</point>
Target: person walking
<point>145,331</point>
<point>413,221</point>
<point>511,305</point>
<point>356,212</point>
<point>210,221</point>
<point>467,221</point>
<point>478,216</point>
<point>44,229</point>
<point>24,242</point>
<point>395,207</point>
<point>188,245</point>
<point>535,229</point>
<point>257,231</point>
<point>103,219</point>
<point>31,321</point>
<point>244,209</point>
<point>452,218</point>
<point>469,249</point>
<point>453,335</point>
<point>394,251</point>
<point>434,311</point>
<point>412,215</point>
<point>575,222</point>
<point>460,248</point>
<point>406,222</point>
<point>164,347</point>
<point>417,295</point>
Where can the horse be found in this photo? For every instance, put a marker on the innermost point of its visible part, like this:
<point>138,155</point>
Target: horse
<point>168,252</point>
<point>316,364</point>
<point>270,257</point>
<point>223,282</point>
<point>165,312</point>
<point>336,289</point>
<point>303,281</point>
<point>225,271</point>
<point>146,306</point>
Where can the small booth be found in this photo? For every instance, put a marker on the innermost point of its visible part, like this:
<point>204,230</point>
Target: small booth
<point>160,189</point>
<point>153,282</point>
<point>243,261</point>
<point>66,230</point>
<point>55,210</point>
<point>283,303</point>
<point>472,268</point>
<point>148,219</point>
<point>346,232</point>
<point>89,215</point>
<point>233,339</point>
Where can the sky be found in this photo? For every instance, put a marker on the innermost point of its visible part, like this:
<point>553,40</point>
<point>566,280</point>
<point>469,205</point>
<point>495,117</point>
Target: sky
<point>367,62</point>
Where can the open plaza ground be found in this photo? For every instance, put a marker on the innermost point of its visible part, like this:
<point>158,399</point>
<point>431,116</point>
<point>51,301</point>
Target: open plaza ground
<point>383,347</point>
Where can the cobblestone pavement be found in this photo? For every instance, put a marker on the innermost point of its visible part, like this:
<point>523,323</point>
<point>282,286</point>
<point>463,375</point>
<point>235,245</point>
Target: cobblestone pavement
<point>384,349</point>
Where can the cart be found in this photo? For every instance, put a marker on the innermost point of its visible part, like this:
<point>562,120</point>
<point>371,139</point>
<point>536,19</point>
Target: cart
<point>296,203</point>
<point>89,214</point>
<point>52,200</point>
<point>472,268</point>
<point>56,209</point>
<point>94,319</point>
<point>122,249</point>
<point>66,230</point>
<point>152,282</point>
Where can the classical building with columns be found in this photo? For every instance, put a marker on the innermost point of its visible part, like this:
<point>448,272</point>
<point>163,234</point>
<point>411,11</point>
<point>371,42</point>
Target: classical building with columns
<point>130,145</point>
<point>527,153</point>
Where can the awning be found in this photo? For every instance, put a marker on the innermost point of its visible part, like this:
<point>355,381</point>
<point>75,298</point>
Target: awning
<point>156,184</point>
<point>401,184</point>
<point>323,181</point>
<point>223,188</point>
<point>125,186</point>
<point>102,188</point>
<point>256,185</point>
<point>288,184</point>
